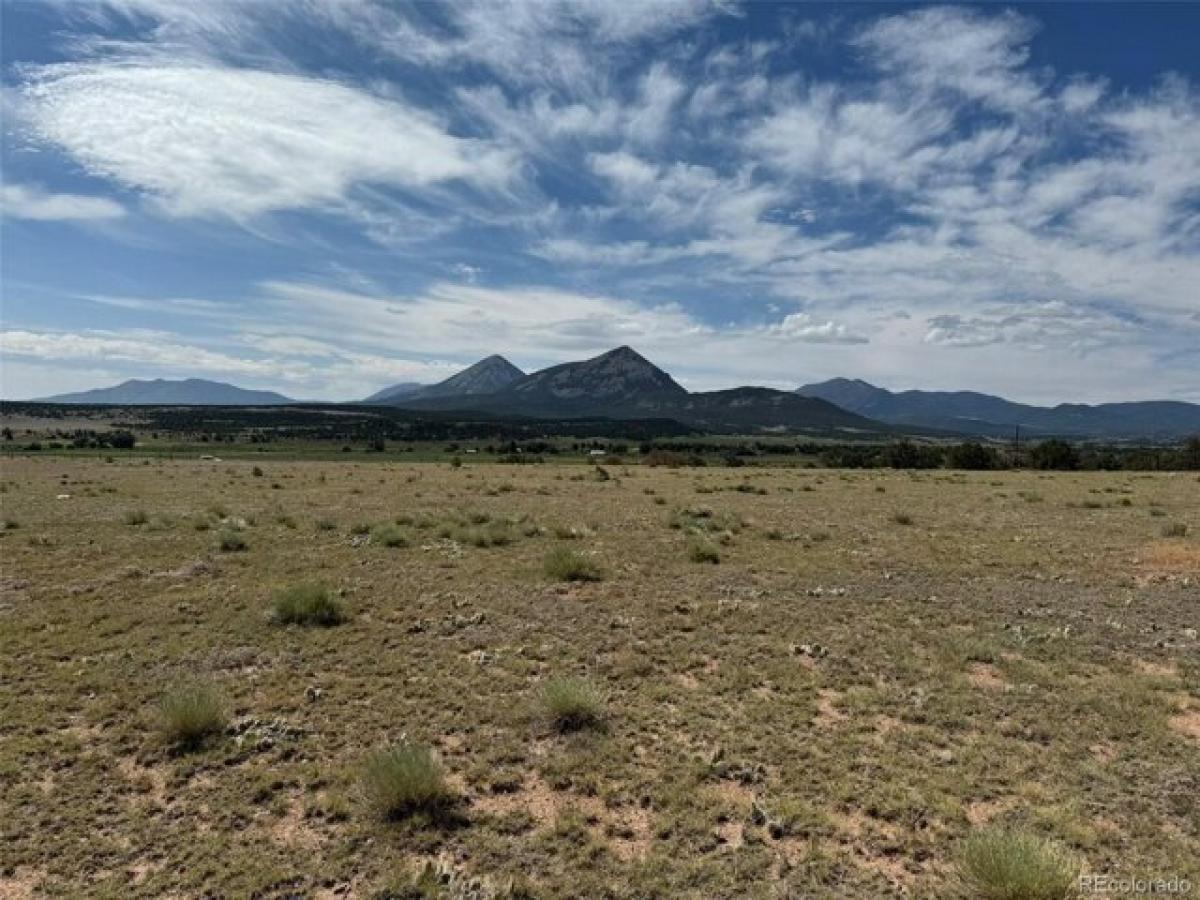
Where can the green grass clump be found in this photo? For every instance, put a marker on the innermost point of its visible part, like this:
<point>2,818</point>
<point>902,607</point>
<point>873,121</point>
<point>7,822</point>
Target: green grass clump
<point>135,517</point>
<point>308,604</point>
<point>703,551</point>
<point>190,714</point>
<point>564,564</point>
<point>390,535</point>
<point>229,541</point>
<point>1174,530</point>
<point>1005,864</point>
<point>405,780</point>
<point>902,519</point>
<point>493,534</point>
<point>704,521</point>
<point>573,703</point>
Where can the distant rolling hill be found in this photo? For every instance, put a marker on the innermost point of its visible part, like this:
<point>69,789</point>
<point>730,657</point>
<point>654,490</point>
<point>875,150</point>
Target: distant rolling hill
<point>485,377</point>
<point>622,384</point>
<point>388,394</point>
<point>165,392</point>
<point>986,415</point>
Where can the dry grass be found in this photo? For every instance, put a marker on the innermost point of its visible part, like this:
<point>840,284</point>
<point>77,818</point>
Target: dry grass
<point>1003,864</point>
<point>573,704</point>
<point>307,604</point>
<point>405,780</point>
<point>830,712</point>
<point>190,715</point>
<point>565,564</point>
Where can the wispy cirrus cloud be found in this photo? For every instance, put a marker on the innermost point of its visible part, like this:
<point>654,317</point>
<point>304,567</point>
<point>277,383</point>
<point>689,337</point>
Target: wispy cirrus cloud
<point>251,142</point>
<point>24,201</point>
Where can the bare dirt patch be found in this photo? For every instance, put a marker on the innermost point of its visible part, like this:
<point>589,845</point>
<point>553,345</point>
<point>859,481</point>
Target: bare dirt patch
<point>1179,556</point>
<point>986,677</point>
<point>828,715</point>
<point>1188,724</point>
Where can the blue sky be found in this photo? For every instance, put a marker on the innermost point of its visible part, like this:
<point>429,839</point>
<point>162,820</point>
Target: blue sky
<point>327,196</point>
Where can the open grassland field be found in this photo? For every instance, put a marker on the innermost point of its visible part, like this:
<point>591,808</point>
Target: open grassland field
<point>641,683</point>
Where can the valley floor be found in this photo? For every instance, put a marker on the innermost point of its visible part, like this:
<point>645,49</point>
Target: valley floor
<point>879,664</point>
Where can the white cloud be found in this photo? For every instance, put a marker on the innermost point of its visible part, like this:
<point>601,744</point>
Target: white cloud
<point>155,348</point>
<point>565,44</point>
<point>802,326</point>
<point>23,201</point>
<point>299,366</point>
<point>1052,325</point>
<point>207,140</point>
<point>952,49</point>
<point>658,93</point>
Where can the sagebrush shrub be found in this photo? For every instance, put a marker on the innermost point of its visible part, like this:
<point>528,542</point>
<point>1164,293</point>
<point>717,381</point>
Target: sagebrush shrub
<point>307,604</point>
<point>230,541</point>
<point>564,564</point>
<point>390,535</point>
<point>701,550</point>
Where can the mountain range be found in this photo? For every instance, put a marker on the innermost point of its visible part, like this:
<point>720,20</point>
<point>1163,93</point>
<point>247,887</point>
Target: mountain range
<point>622,384</point>
<point>967,412</point>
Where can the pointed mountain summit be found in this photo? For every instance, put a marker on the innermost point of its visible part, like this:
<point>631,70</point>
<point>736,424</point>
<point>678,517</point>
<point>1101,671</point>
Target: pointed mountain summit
<point>485,377</point>
<point>619,379</point>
